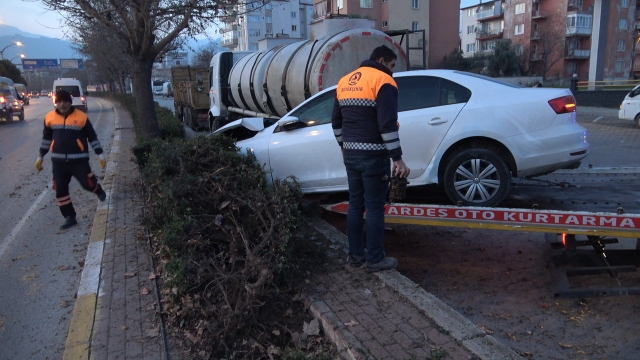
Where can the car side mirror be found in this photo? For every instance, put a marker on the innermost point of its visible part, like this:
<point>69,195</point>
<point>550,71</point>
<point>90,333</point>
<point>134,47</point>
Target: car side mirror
<point>289,123</point>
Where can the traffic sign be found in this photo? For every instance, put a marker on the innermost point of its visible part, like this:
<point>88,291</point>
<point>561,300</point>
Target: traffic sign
<point>35,64</point>
<point>71,64</point>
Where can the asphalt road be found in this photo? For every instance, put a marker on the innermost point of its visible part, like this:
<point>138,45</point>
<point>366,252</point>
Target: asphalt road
<point>40,266</point>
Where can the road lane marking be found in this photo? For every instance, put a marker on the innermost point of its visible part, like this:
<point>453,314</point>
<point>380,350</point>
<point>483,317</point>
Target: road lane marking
<point>16,229</point>
<point>598,118</point>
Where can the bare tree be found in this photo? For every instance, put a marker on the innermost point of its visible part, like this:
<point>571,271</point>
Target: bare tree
<point>551,43</point>
<point>107,53</point>
<point>147,27</point>
<point>205,53</point>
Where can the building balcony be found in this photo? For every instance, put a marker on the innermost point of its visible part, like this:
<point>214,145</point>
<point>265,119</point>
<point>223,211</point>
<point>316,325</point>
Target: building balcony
<point>535,35</point>
<point>574,4</point>
<point>229,16</point>
<point>578,31</point>
<point>230,38</point>
<point>486,35</point>
<point>577,54</point>
<point>538,14</point>
<point>536,57</point>
<point>489,15</point>
<point>229,27</point>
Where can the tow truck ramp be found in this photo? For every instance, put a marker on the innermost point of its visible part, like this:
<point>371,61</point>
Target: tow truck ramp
<point>568,233</point>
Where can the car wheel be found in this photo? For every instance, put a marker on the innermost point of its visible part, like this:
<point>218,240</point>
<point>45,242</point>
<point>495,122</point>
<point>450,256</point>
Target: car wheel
<point>637,120</point>
<point>477,177</point>
<point>10,116</point>
<point>21,116</point>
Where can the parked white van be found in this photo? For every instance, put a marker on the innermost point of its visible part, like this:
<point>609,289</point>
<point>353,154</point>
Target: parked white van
<point>167,89</point>
<point>630,107</point>
<point>74,87</point>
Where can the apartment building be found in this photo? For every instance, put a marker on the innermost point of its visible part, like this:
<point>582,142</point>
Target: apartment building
<point>560,39</point>
<point>250,21</point>
<point>438,18</point>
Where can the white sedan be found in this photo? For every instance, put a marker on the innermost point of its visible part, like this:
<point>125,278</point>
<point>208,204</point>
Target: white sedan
<point>466,132</point>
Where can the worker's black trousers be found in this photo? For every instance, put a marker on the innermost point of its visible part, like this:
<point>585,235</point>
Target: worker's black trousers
<point>62,174</point>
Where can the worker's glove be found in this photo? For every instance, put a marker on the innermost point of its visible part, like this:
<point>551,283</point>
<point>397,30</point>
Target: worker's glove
<point>103,161</point>
<point>39,164</point>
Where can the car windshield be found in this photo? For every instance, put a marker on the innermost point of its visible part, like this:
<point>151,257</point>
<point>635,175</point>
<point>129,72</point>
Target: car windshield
<point>71,89</point>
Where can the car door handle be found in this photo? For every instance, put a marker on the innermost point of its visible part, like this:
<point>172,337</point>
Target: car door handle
<point>436,121</point>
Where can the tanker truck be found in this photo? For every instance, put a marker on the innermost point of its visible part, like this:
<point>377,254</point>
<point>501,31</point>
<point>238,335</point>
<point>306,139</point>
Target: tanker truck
<point>270,83</point>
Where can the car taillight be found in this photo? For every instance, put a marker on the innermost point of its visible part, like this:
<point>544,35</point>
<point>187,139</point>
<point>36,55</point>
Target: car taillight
<point>563,105</point>
<point>84,99</point>
<point>2,100</point>
<point>54,99</point>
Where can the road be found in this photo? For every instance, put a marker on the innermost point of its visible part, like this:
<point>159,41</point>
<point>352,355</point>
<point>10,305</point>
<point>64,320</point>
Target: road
<point>40,266</point>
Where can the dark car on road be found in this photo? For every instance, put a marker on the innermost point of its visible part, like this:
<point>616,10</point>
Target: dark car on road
<point>10,104</point>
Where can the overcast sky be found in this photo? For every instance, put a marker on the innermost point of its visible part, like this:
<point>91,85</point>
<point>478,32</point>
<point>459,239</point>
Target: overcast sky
<point>31,16</point>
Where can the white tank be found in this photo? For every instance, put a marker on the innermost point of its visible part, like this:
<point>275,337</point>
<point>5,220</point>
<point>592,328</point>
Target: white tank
<point>277,80</point>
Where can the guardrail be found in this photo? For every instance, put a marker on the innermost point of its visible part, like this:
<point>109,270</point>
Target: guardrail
<point>607,85</point>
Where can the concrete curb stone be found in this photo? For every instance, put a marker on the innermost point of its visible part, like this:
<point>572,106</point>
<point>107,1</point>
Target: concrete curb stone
<point>462,332</point>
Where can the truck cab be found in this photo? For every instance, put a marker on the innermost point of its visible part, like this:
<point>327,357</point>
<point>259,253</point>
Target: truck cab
<point>220,67</point>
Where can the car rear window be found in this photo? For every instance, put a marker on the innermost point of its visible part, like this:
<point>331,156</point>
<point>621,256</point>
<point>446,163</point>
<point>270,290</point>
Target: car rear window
<point>71,89</point>
<point>4,90</point>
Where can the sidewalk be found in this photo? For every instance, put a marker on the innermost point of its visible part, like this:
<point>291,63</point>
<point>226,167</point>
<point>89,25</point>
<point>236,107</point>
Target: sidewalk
<point>367,316</point>
<point>116,311</point>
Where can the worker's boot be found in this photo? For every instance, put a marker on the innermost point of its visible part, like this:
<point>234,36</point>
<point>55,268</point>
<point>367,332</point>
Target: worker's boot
<point>101,194</point>
<point>69,221</point>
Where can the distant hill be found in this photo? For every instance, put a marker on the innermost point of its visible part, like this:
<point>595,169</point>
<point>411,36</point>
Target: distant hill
<point>34,46</point>
<point>42,47</point>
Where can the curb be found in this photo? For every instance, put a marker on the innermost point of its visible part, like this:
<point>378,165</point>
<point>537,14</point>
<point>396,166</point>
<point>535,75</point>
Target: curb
<point>474,339</point>
<point>78,343</point>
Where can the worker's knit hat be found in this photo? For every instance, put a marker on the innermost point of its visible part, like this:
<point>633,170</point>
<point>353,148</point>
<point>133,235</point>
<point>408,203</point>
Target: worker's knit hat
<point>62,95</point>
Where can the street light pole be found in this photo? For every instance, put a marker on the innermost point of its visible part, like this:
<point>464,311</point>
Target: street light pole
<point>17,43</point>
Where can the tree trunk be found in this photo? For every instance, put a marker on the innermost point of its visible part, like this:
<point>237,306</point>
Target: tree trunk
<point>144,98</point>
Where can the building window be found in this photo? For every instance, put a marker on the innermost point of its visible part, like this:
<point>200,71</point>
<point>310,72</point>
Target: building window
<point>519,49</point>
<point>294,28</point>
<point>520,8</point>
<point>254,32</point>
<point>622,24</point>
<point>366,4</point>
<point>414,4</point>
<point>253,18</point>
<point>471,48</point>
<point>414,25</point>
<point>619,65</point>
<point>267,19</point>
<point>625,3</point>
<point>572,67</point>
<point>294,14</point>
<point>340,4</point>
<point>519,30</point>
<point>471,12</point>
<point>620,45</point>
<point>267,6</point>
<point>385,24</point>
<point>384,1</point>
<point>470,29</point>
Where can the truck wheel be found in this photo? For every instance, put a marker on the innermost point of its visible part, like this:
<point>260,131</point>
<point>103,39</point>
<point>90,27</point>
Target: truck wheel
<point>477,177</point>
<point>188,118</point>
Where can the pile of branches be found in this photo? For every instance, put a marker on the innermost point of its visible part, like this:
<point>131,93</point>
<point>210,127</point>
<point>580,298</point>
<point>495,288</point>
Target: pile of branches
<point>226,236</point>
